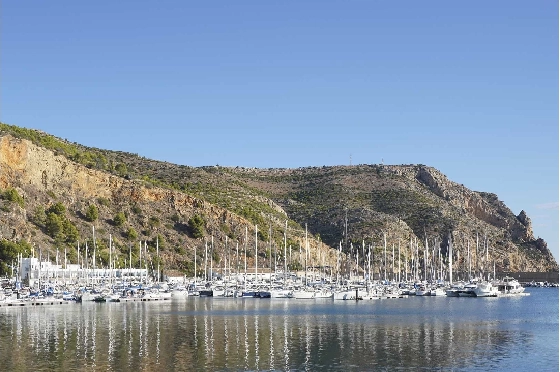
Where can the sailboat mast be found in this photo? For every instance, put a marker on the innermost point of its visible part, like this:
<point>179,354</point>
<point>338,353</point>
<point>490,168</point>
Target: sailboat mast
<point>338,262</point>
<point>256,252</point>
<point>384,256</point>
<point>393,262</point>
<point>65,268</point>
<point>450,258</point>
<point>146,260</point>
<point>79,266</point>
<point>416,275</point>
<point>406,264</point>
<point>245,253</point>
<point>110,260</point>
<point>226,268</point>
<point>270,253</point>
<point>369,263</point>
<point>476,263</point>
<point>94,245</point>
<point>486,261</point>
<point>205,259</point>
<point>211,257</point>
<point>357,260</point>
<point>399,260</point>
<point>469,257</point>
<point>236,264</point>
<point>426,259</point>
<point>87,265</point>
<point>140,259</point>
<point>157,255</point>
<point>285,256</point>
<point>494,260</point>
<point>226,259</point>
<point>306,248</point>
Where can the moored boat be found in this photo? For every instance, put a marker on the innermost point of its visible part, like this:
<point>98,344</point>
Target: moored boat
<point>510,285</point>
<point>468,290</point>
<point>421,290</point>
<point>437,291</point>
<point>455,289</point>
<point>350,294</point>
<point>485,289</point>
<point>281,292</point>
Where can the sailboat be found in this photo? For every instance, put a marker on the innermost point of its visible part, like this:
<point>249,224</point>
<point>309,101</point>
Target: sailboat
<point>282,291</point>
<point>304,292</point>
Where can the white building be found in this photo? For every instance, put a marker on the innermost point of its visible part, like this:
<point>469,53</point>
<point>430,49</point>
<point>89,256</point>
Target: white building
<point>31,270</point>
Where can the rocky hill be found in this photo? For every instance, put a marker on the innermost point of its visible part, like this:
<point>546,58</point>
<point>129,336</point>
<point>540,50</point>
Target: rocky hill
<point>56,194</point>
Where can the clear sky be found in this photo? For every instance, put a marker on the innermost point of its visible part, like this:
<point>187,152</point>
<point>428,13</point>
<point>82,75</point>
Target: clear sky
<point>470,88</point>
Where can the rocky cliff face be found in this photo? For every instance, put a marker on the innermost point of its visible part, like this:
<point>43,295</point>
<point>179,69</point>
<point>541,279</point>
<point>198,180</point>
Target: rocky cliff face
<point>483,206</point>
<point>392,205</point>
<point>483,213</point>
<point>43,178</point>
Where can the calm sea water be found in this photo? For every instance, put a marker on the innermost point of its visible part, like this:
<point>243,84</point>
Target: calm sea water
<point>205,334</point>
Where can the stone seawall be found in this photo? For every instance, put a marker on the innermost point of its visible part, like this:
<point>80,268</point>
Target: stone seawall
<point>526,277</point>
<point>551,277</point>
<point>522,277</point>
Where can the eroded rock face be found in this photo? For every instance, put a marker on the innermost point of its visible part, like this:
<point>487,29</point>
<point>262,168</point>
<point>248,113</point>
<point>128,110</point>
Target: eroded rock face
<point>483,206</point>
<point>43,178</point>
<point>488,208</point>
<point>524,234</point>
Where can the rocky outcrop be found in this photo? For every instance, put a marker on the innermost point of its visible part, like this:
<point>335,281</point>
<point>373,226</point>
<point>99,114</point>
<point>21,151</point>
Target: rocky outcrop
<point>43,178</point>
<point>523,233</point>
<point>406,203</point>
<point>483,206</point>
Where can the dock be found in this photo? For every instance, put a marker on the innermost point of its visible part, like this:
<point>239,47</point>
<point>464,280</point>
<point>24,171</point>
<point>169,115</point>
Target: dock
<point>33,303</point>
<point>143,299</point>
<point>522,294</point>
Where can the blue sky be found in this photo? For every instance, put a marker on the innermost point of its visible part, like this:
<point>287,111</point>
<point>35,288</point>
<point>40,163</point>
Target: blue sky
<point>470,88</point>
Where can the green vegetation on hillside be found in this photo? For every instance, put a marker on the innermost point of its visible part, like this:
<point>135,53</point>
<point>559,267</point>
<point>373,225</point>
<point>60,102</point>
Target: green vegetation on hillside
<point>119,219</point>
<point>56,224</point>
<point>92,213</point>
<point>13,196</point>
<point>9,252</point>
<point>89,158</point>
<point>376,198</point>
<point>196,224</point>
<point>232,195</point>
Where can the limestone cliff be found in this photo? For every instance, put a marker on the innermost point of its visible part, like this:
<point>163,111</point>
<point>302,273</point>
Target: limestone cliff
<point>43,178</point>
<point>378,205</point>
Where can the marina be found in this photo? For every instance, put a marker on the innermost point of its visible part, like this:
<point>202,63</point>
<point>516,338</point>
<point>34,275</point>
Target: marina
<point>279,186</point>
<point>55,293</point>
<point>37,281</point>
<point>34,279</point>
<point>203,333</point>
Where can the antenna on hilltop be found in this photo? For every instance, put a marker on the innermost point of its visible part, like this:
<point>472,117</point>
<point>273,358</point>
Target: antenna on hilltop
<point>381,161</point>
<point>350,159</point>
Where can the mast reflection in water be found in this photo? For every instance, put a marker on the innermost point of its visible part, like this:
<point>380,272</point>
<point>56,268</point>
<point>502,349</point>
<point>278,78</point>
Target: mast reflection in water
<point>286,334</point>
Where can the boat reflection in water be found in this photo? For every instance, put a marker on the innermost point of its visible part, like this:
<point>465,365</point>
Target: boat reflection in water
<point>279,334</point>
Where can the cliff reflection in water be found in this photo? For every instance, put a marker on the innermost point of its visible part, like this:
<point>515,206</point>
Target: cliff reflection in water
<point>253,334</point>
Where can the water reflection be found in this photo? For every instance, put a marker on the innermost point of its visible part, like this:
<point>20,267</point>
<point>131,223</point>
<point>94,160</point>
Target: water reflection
<point>253,334</point>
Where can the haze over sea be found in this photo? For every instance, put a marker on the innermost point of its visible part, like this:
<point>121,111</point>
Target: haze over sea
<point>211,334</point>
